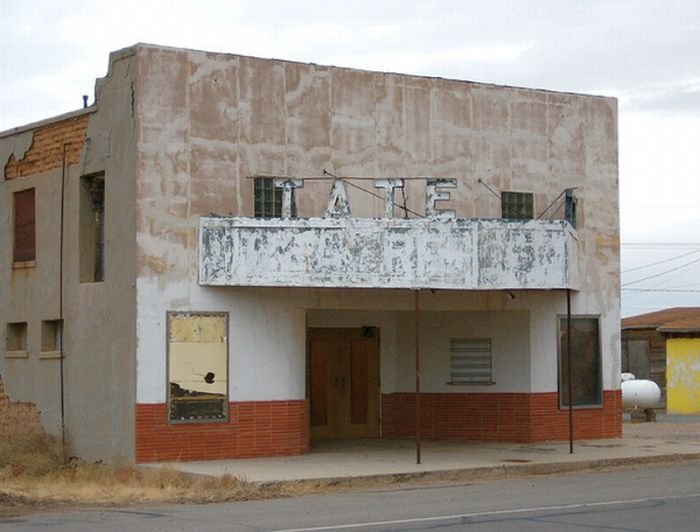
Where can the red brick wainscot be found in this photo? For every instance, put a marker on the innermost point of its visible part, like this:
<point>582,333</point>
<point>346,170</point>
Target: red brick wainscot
<point>516,417</point>
<point>254,429</point>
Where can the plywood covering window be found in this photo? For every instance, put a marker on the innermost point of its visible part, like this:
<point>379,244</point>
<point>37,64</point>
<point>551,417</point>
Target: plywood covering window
<point>517,205</point>
<point>24,249</point>
<point>92,229</point>
<point>586,370</point>
<point>470,361</point>
<point>197,366</point>
<point>637,360</point>
<point>268,199</point>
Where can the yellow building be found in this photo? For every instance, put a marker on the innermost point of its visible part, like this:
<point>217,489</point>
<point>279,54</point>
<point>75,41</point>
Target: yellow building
<point>679,330</point>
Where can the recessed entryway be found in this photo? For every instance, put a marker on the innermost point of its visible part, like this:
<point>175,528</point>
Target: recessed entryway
<point>344,382</point>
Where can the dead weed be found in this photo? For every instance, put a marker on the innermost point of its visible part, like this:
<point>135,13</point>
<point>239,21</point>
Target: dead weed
<point>33,472</point>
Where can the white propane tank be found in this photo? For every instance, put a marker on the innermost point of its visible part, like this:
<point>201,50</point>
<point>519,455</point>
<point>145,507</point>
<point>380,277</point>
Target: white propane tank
<point>640,393</point>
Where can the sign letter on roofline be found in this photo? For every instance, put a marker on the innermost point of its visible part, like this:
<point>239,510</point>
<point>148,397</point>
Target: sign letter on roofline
<point>433,195</point>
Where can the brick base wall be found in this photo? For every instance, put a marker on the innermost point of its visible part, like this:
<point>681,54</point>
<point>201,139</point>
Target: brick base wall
<point>516,417</point>
<point>254,429</point>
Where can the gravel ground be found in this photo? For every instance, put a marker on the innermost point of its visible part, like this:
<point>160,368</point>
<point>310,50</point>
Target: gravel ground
<point>667,427</point>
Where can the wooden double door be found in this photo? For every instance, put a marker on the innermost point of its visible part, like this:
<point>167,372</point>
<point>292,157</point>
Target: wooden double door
<point>344,382</point>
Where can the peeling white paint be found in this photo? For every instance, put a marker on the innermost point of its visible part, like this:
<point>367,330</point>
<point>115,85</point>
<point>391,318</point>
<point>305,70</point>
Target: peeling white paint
<point>388,253</point>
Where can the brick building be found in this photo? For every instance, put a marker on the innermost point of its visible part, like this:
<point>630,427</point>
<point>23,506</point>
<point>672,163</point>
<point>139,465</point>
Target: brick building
<point>226,256</point>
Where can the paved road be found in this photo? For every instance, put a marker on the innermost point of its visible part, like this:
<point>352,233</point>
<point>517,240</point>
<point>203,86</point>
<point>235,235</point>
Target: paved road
<point>664,498</point>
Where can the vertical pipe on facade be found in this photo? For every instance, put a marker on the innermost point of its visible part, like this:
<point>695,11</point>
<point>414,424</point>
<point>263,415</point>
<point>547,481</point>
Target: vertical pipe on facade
<point>569,371</point>
<point>60,303</point>
<point>416,316</point>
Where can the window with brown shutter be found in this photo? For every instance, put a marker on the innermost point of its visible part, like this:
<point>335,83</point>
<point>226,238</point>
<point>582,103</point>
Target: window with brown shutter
<point>25,226</point>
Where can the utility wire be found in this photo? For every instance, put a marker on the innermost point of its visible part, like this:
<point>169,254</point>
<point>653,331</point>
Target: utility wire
<point>651,245</point>
<point>662,273</point>
<point>670,290</point>
<point>660,261</point>
<point>684,286</point>
<point>345,179</point>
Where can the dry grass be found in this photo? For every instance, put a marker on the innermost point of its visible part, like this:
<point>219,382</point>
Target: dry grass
<point>34,473</point>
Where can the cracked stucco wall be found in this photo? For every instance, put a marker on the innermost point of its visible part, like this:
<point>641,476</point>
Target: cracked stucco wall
<point>207,121</point>
<point>99,318</point>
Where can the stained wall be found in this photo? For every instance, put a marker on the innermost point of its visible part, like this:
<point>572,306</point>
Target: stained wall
<point>210,121</point>
<point>98,364</point>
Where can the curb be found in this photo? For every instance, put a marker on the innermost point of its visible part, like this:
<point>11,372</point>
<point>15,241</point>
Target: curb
<point>498,472</point>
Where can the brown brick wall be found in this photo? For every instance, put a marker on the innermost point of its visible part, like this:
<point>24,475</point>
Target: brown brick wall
<point>498,417</point>
<point>17,419</point>
<point>254,429</point>
<point>46,151</point>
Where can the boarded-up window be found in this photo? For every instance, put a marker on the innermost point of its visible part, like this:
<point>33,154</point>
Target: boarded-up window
<point>197,366</point>
<point>24,249</point>
<point>517,205</point>
<point>586,371</point>
<point>470,361</point>
<point>638,358</point>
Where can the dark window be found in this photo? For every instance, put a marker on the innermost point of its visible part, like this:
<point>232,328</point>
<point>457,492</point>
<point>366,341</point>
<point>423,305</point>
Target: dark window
<point>517,205</point>
<point>51,336</point>
<point>92,230</point>
<point>16,338</point>
<point>24,249</point>
<point>268,199</point>
<point>586,371</point>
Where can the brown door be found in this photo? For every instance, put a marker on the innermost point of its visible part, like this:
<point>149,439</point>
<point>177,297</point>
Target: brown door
<point>344,383</point>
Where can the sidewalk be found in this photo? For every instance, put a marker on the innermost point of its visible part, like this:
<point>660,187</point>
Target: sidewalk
<point>369,459</point>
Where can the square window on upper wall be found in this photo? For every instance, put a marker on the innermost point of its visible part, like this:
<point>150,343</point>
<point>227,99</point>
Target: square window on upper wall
<point>268,199</point>
<point>24,227</point>
<point>517,205</point>
<point>51,336</point>
<point>16,339</point>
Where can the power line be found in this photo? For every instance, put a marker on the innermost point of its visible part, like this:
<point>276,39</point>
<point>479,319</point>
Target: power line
<point>671,290</point>
<point>651,245</point>
<point>661,261</point>
<point>663,273</point>
<point>684,286</point>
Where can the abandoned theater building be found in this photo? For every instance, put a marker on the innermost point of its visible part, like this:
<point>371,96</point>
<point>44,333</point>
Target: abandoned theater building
<point>226,256</point>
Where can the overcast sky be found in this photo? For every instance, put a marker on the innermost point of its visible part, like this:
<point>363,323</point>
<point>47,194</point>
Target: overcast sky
<point>645,53</point>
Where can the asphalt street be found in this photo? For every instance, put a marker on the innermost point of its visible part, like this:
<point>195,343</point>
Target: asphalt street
<point>640,499</point>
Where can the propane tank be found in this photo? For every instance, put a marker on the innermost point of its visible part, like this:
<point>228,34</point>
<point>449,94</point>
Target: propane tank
<point>640,393</point>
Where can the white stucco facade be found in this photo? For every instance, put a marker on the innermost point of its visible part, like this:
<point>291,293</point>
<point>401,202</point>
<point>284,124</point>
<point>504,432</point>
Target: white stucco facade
<point>194,130</point>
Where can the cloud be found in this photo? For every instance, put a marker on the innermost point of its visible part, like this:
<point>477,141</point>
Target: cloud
<point>673,97</point>
<point>615,47</point>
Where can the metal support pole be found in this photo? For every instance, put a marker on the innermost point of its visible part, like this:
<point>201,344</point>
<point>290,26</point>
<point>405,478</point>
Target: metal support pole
<point>569,371</point>
<point>60,304</point>
<point>416,315</point>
